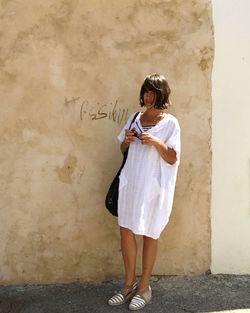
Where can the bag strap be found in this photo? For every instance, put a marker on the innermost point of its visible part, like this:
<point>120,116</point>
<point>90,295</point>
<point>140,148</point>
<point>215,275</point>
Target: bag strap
<point>135,116</point>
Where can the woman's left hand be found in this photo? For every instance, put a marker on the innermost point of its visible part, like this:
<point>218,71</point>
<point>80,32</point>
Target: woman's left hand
<point>148,139</point>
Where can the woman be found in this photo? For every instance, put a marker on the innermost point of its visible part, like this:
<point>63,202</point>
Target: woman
<point>146,187</point>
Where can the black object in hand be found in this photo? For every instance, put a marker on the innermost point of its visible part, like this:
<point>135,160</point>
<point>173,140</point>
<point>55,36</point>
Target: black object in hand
<point>135,134</point>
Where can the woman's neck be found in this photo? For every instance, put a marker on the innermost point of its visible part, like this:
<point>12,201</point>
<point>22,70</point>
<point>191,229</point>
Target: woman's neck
<point>152,116</point>
<point>153,112</point>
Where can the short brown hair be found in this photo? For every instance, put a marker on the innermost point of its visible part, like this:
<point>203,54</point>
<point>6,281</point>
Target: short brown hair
<point>159,85</point>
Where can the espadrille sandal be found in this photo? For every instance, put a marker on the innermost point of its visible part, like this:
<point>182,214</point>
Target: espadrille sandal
<point>124,295</point>
<point>140,299</point>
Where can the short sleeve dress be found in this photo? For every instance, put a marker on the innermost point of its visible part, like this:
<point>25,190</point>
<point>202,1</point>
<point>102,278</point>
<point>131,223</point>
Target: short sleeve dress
<point>147,182</point>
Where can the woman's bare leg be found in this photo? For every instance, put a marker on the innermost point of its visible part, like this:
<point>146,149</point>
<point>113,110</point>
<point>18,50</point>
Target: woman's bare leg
<point>129,251</point>
<point>148,260</point>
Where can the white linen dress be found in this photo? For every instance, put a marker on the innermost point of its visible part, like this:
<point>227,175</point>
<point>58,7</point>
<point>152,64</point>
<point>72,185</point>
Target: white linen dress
<point>147,182</point>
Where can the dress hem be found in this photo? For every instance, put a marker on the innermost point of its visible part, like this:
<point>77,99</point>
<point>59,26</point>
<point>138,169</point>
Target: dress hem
<point>139,233</point>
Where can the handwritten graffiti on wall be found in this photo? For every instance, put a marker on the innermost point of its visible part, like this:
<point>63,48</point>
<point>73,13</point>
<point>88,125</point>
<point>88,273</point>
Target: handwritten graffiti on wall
<point>99,111</point>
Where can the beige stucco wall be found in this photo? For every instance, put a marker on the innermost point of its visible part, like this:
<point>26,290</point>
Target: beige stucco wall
<point>231,138</point>
<point>70,74</point>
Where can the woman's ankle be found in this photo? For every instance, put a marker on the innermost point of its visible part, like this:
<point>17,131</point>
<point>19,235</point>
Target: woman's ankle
<point>143,285</point>
<point>129,281</point>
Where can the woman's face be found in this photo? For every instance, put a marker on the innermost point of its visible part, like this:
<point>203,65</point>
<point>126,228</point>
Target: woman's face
<point>149,98</point>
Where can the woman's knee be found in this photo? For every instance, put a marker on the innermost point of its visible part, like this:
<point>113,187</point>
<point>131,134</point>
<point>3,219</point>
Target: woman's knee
<point>125,232</point>
<point>149,239</point>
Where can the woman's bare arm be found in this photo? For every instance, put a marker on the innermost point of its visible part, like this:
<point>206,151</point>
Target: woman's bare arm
<point>168,154</point>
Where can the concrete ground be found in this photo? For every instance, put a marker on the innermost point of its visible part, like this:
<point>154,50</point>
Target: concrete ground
<point>205,293</point>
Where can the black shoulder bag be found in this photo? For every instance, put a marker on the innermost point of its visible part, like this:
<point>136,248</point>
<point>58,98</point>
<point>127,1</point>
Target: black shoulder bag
<point>111,200</point>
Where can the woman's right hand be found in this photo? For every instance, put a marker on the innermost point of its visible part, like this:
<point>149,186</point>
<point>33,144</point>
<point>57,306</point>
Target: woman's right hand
<point>129,136</point>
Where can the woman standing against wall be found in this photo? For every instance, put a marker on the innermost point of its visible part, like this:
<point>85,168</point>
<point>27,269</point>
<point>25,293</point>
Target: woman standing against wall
<point>146,187</point>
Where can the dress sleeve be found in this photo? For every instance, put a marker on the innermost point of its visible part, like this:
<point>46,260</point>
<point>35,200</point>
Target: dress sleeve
<point>174,140</point>
<point>121,136</point>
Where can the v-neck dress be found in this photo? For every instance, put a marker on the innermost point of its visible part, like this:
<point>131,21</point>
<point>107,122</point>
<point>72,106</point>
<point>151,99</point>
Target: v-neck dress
<point>147,182</point>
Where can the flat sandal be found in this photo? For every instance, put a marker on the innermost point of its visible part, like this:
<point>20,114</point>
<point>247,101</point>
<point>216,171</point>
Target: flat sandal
<point>141,298</point>
<point>124,295</point>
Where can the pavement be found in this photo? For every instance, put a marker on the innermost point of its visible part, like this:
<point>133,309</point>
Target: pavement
<point>203,293</point>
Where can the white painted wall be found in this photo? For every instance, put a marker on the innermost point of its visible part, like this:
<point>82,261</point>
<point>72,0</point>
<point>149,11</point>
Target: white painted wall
<point>231,138</point>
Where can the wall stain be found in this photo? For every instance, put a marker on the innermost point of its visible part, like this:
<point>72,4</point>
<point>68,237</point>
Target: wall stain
<point>203,64</point>
<point>206,58</point>
<point>65,173</point>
